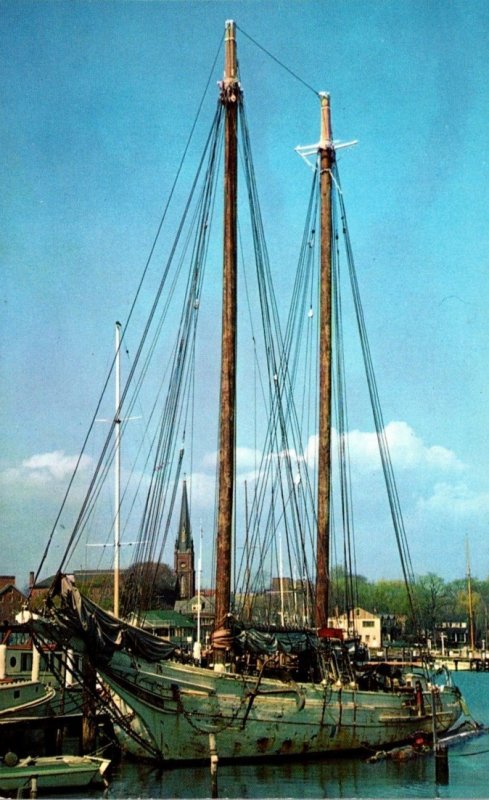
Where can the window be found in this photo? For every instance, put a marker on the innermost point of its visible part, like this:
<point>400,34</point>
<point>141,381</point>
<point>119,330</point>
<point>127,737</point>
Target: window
<point>368,623</point>
<point>26,661</point>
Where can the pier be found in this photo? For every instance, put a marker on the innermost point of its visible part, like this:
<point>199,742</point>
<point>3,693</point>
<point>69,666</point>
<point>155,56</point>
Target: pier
<point>475,663</point>
<point>48,734</point>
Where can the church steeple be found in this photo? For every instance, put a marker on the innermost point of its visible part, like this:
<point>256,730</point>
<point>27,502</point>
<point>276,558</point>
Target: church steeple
<point>184,551</point>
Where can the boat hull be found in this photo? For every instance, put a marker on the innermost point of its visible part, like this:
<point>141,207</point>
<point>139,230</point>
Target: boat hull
<point>53,772</point>
<point>179,707</point>
<point>24,698</point>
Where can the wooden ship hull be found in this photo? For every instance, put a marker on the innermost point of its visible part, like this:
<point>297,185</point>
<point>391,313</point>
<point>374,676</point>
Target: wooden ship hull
<point>179,706</point>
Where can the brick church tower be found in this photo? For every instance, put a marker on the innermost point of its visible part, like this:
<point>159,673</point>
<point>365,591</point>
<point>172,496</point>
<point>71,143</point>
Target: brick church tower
<point>184,553</point>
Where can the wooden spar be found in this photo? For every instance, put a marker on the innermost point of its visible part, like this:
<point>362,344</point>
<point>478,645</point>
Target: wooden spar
<point>230,93</point>
<point>326,158</point>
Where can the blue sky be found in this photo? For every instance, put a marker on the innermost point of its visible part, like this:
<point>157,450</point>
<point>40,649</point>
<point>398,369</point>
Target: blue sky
<point>98,99</point>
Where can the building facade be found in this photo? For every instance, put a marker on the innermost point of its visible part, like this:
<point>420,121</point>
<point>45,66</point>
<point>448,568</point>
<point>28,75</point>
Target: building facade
<point>362,623</point>
<point>11,599</point>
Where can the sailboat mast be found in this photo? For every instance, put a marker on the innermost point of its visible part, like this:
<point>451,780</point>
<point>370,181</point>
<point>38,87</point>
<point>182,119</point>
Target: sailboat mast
<point>326,158</point>
<point>117,461</point>
<point>230,93</point>
<point>469,598</point>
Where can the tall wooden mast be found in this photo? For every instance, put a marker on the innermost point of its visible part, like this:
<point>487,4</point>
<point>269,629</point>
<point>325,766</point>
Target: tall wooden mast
<point>230,95</point>
<point>326,159</point>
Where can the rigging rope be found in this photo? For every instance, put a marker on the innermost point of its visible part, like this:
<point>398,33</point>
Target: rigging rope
<point>340,395</point>
<point>282,458</point>
<point>277,61</point>
<point>101,470</point>
<point>131,312</point>
<point>391,485</point>
<point>283,466</point>
<point>175,412</point>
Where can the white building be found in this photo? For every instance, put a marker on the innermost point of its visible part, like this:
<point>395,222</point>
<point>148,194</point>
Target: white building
<point>364,624</point>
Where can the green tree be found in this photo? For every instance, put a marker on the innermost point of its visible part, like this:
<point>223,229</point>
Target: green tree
<point>147,585</point>
<point>390,596</point>
<point>434,598</point>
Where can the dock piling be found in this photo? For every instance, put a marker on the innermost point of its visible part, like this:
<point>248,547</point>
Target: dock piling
<point>214,764</point>
<point>442,773</point>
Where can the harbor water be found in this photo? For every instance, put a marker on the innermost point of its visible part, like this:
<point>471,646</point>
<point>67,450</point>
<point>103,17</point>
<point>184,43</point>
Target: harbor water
<point>468,771</point>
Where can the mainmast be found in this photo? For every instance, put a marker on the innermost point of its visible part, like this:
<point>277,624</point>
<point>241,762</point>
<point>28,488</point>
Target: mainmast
<point>230,95</point>
<point>326,159</point>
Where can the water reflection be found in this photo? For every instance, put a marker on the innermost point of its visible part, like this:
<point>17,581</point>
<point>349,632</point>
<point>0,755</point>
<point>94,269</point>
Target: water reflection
<point>341,778</point>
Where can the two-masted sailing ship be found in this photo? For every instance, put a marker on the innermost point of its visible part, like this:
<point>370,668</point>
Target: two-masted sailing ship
<point>262,690</point>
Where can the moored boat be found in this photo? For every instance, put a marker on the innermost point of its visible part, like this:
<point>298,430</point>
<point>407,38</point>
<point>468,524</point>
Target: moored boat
<point>51,773</point>
<point>48,667</point>
<point>24,698</point>
<point>265,690</point>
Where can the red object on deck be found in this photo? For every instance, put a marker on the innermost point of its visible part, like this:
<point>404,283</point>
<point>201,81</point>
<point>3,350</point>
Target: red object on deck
<point>331,633</point>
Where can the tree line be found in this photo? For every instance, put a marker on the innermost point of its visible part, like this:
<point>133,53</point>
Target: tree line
<point>437,600</point>
<point>153,585</point>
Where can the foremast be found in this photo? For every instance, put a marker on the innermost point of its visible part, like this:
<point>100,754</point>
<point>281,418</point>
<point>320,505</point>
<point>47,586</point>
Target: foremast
<point>326,156</point>
<point>230,97</point>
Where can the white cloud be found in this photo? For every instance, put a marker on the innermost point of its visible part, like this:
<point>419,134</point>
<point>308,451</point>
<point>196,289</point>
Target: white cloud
<point>203,490</point>
<point>408,451</point>
<point>247,458</point>
<point>44,468</point>
<point>311,450</point>
<point>455,500</point>
<point>209,460</point>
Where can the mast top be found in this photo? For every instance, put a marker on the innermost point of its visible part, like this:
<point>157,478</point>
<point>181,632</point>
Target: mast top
<point>326,136</point>
<point>325,140</point>
<point>230,62</point>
